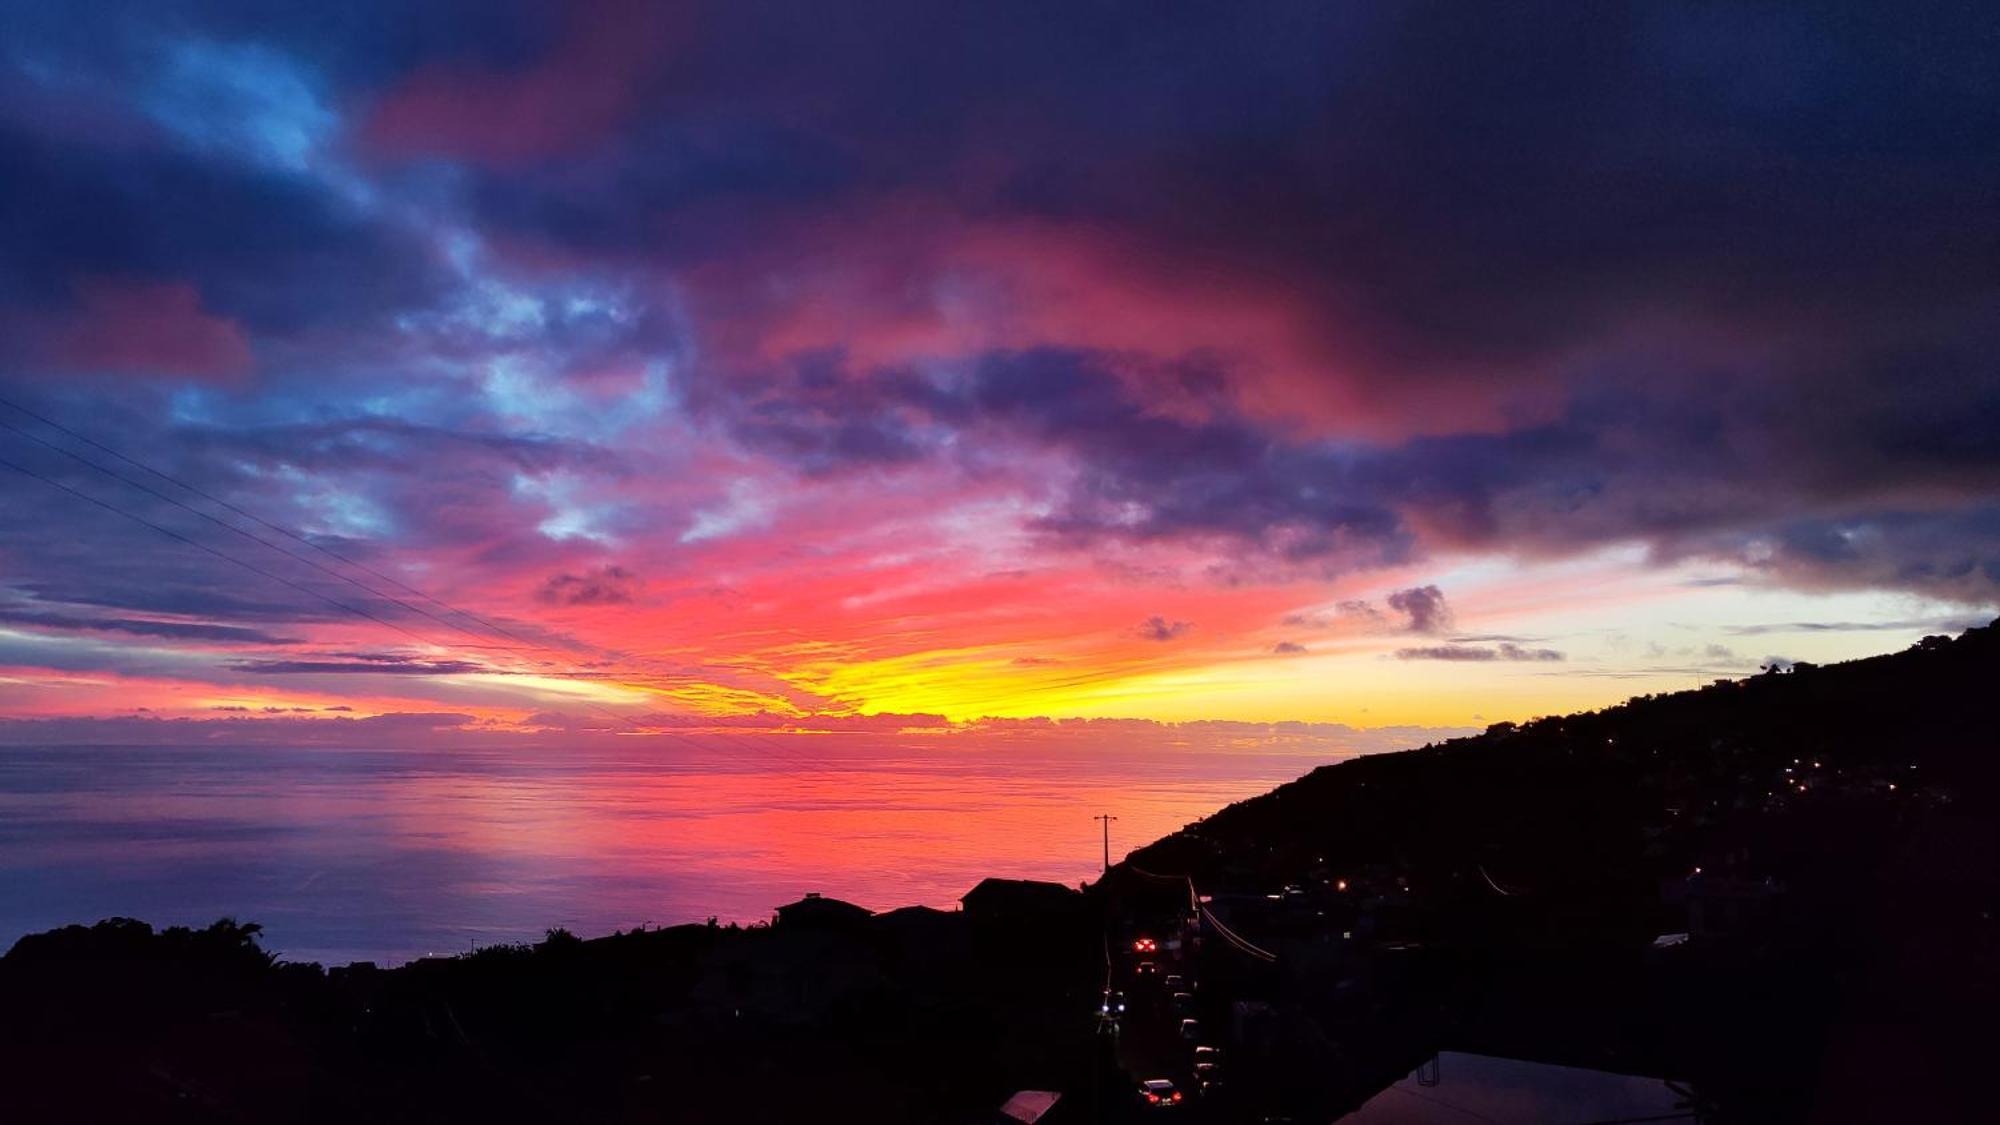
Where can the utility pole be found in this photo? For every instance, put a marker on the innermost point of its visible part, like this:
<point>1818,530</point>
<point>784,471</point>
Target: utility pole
<point>1107,818</point>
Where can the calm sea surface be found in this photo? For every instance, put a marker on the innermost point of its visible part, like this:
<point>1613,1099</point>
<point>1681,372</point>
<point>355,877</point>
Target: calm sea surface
<point>387,854</point>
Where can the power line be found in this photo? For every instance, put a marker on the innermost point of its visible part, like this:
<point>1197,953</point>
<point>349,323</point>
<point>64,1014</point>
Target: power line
<point>329,571</point>
<point>200,546</point>
<point>570,673</point>
<point>1235,939</point>
<point>272,575</point>
<point>257,519</point>
<point>542,646</point>
<point>766,743</point>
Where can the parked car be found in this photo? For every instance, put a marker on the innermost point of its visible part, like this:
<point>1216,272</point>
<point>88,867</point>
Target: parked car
<point>1190,1029</point>
<point>1206,1054</point>
<point>1184,1003</point>
<point>1158,1093</point>
<point>1175,984</point>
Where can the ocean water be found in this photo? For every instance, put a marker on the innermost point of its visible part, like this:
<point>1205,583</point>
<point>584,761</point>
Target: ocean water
<point>389,854</point>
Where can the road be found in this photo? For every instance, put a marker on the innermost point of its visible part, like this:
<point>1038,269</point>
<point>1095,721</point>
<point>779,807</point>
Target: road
<point>1149,1043</point>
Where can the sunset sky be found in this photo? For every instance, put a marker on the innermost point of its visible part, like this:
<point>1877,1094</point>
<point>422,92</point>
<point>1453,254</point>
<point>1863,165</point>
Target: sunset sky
<point>773,367</point>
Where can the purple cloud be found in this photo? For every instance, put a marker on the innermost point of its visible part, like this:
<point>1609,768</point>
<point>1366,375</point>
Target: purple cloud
<point>607,585</point>
<point>1424,608</point>
<point>1474,653</point>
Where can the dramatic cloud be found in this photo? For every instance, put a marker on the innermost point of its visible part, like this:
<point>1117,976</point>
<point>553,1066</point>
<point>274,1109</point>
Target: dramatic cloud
<point>1358,610</point>
<point>1424,607</point>
<point>1447,652</point>
<point>185,630</point>
<point>1475,653</point>
<point>1953,624</point>
<point>365,665</point>
<point>608,585</point>
<point>156,328</point>
<point>912,356</point>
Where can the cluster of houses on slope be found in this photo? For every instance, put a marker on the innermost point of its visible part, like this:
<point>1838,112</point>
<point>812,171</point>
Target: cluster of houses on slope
<point>993,900</point>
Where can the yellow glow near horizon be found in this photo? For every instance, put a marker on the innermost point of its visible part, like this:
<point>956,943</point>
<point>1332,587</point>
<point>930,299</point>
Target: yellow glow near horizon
<point>1613,626</point>
<point>1669,634</point>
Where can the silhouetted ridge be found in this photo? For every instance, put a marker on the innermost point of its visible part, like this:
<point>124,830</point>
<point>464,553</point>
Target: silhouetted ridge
<point>1567,803</point>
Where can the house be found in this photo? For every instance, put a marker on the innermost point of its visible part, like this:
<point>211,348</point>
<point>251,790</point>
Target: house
<point>1496,1087</point>
<point>1028,1106</point>
<point>1007,899</point>
<point>916,921</point>
<point>816,911</point>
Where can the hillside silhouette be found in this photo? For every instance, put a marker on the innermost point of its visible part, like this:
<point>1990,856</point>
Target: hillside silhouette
<point>1785,886</point>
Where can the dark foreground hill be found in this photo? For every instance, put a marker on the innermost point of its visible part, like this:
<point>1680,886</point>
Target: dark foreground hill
<point>1795,774</point>
<point>1785,887</point>
<point>1781,891</point>
<point>914,1015</point>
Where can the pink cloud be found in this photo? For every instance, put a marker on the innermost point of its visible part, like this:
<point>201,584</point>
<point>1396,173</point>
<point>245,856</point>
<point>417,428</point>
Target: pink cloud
<point>578,93</point>
<point>913,281</point>
<point>146,328</point>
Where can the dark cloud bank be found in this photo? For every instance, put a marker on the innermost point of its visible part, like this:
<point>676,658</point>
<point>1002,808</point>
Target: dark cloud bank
<point>1712,280</point>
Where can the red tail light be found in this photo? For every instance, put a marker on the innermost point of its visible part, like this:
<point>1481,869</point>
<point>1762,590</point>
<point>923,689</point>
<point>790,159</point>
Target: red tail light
<point>1177,1095</point>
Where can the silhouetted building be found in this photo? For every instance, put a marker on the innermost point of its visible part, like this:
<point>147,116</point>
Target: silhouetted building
<point>1004,899</point>
<point>815,910</point>
<point>1028,1107</point>
<point>915,920</point>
